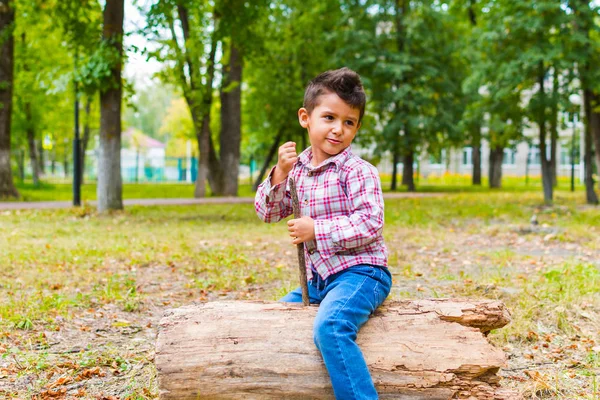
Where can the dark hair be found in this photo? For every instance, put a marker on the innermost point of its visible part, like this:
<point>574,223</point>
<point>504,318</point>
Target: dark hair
<point>344,82</point>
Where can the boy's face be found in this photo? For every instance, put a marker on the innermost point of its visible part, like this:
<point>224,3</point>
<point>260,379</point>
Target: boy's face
<point>332,126</point>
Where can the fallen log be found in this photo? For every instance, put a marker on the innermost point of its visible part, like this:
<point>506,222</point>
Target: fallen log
<point>425,349</point>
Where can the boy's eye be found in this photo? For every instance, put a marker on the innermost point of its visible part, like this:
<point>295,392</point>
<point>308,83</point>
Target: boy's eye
<point>328,117</point>
<point>351,123</point>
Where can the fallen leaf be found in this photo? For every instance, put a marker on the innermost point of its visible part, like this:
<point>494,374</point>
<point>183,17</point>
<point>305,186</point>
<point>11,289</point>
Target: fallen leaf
<point>60,381</point>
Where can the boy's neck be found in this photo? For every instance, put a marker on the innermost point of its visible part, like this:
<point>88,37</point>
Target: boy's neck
<point>315,162</point>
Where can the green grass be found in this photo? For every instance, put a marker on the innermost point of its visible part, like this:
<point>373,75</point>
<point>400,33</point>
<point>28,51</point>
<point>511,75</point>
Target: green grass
<point>447,183</point>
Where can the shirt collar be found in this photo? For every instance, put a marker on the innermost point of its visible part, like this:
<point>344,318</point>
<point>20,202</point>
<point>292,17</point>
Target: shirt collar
<point>306,156</point>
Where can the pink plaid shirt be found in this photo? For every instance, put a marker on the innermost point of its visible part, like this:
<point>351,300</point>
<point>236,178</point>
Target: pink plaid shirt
<point>343,196</point>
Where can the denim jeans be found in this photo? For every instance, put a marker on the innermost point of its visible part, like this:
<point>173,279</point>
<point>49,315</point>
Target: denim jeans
<point>346,300</point>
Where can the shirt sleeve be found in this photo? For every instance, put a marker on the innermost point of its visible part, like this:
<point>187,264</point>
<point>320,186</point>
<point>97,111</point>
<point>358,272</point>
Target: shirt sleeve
<point>273,203</point>
<point>363,225</point>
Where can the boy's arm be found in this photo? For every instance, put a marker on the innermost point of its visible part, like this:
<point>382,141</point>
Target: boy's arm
<point>365,222</point>
<point>273,202</point>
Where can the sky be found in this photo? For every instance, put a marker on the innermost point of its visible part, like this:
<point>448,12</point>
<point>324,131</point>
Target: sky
<point>137,68</point>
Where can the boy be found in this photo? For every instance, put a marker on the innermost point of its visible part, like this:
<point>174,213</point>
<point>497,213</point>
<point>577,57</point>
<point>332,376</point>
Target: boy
<point>342,207</point>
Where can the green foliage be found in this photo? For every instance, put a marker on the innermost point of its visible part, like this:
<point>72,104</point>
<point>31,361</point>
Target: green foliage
<point>296,49</point>
<point>414,76</point>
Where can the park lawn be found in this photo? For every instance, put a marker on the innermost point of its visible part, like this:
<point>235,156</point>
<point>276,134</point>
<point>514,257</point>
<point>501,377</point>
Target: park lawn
<point>446,183</point>
<point>82,294</point>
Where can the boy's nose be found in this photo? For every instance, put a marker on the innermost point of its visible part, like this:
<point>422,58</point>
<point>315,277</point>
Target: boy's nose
<point>337,128</point>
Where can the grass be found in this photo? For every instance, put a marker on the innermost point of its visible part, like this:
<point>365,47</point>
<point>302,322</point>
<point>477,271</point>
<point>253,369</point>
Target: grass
<point>102,281</point>
<point>445,183</point>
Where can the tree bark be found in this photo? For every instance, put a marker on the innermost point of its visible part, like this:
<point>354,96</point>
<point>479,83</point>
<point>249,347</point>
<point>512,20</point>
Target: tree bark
<point>231,123</point>
<point>595,127</point>
<point>31,145</point>
<point>546,167</point>
<point>110,186</point>
<point>21,164</point>
<point>583,22</point>
<point>267,163</point>
<point>495,166</point>
<point>588,162</point>
<point>7,25</point>
<point>476,156</point>
<point>425,349</point>
<point>476,139</point>
<point>395,161</point>
<point>554,129</point>
<point>86,136</point>
<point>204,140</point>
<point>408,172</point>
<point>41,156</point>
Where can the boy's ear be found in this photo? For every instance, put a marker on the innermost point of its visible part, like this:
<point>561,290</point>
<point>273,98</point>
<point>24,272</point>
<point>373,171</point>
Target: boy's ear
<point>303,117</point>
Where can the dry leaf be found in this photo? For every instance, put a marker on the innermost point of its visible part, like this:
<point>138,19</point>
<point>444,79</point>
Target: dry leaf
<point>60,381</point>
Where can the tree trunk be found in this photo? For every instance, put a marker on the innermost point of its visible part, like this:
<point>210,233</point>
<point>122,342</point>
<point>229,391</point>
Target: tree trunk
<point>86,135</point>
<point>425,349</point>
<point>546,168</point>
<point>395,161</point>
<point>30,132</point>
<point>476,155</point>
<point>476,139</point>
<point>495,167</point>
<point>21,164</point>
<point>231,110</point>
<point>408,173</point>
<point>267,163</point>
<point>7,25</point>
<point>554,129</point>
<point>588,161</point>
<point>204,140</point>
<point>583,22</point>
<point>595,127</point>
<point>40,156</point>
<point>110,186</point>
<point>66,166</point>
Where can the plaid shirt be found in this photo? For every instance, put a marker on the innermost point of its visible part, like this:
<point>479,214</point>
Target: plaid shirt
<point>343,196</point>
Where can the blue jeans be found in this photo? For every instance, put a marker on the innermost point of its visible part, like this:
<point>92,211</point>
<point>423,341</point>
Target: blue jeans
<point>346,300</point>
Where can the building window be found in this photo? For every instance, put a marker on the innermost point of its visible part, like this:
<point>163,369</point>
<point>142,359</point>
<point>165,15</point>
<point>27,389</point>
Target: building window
<point>467,158</point>
<point>534,155</point>
<point>565,155</point>
<point>509,157</point>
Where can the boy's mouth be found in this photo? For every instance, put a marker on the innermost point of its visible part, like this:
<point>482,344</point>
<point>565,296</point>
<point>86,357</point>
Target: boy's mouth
<point>333,141</point>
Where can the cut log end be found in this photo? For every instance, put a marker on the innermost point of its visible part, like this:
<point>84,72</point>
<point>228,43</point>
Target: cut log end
<point>425,349</point>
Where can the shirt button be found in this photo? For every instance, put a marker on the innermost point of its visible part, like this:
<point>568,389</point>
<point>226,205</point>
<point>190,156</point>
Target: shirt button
<point>311,251</point>
<point>310,173</point>
<point>305,201</point>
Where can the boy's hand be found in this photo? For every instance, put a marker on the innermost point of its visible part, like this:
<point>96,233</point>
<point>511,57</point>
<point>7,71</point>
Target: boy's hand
<point>285,163</point>
<point>301,229</point>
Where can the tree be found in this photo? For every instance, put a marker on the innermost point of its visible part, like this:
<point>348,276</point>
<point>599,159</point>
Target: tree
<point>188,65</point>
<point>471,121</point>
<point>7,21</point>
<point>414,76</point>
<point>277,76</point>
<point>197,28</point>
<point>109,190</point>
<point>585,30</point>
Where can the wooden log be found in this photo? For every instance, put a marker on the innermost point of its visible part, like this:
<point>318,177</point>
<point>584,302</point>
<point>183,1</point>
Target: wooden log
<point>425,349</point>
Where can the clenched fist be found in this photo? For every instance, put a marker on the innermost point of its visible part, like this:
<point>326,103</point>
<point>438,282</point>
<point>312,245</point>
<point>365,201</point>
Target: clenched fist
<point>285,162</point>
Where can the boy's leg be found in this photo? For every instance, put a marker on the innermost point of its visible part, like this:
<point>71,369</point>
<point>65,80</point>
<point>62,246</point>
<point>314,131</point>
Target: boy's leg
<point>295,296</point>
<point>348,302</point>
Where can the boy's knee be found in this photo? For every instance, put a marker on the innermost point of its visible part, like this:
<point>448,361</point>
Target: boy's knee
<point>329,329</point>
